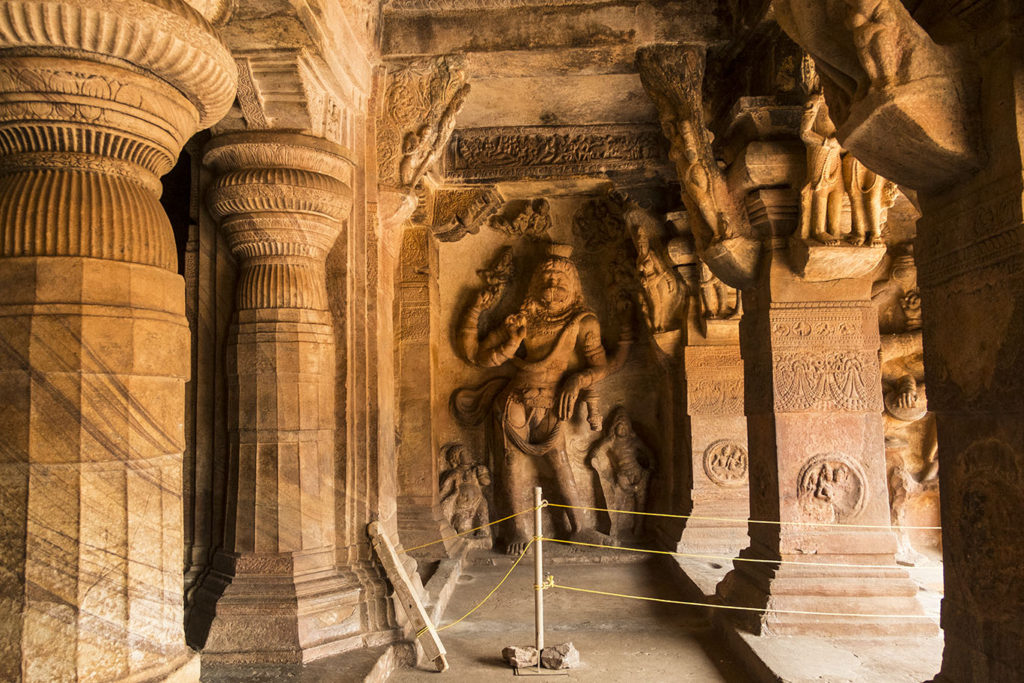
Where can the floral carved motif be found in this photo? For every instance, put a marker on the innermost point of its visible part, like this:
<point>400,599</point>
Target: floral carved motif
<point>837,380</point>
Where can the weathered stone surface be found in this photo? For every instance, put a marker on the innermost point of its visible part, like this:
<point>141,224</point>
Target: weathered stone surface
<point>564,656</point>
<point>520,657</point>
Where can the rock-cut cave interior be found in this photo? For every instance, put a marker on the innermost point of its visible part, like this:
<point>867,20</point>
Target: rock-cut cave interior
<point>622,340</point>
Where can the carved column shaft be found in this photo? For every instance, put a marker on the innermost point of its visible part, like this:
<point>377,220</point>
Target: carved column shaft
<point>718,442</point>
<point>93,337</point>
<point>813,401</point>
<point>970,252</point>
<point>281,199</point>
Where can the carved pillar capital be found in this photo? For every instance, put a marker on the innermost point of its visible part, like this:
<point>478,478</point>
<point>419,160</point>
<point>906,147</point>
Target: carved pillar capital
<point>96,101</point>
<point>281,199</point>
<point>92,119</point>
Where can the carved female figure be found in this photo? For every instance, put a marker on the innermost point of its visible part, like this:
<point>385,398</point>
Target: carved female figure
<point>821,199</point>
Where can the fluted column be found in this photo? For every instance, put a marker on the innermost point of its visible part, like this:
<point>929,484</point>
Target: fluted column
<point>96,101</point>
<point>273,593</point>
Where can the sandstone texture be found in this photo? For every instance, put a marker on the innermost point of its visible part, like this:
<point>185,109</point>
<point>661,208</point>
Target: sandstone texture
<point>739,281</point>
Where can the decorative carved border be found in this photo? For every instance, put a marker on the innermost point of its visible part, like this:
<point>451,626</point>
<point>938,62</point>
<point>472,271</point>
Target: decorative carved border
<point>544,151</point>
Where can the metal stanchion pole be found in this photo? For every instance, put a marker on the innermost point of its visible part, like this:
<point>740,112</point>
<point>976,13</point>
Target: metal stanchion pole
<point>538,570</point>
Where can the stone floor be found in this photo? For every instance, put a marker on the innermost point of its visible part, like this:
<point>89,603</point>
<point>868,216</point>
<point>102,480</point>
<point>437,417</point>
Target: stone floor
<point>619,640</point>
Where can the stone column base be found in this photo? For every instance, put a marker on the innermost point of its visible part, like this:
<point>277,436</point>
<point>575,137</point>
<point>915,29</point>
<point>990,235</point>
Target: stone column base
<point>274,608</point>
<point>875,593</point>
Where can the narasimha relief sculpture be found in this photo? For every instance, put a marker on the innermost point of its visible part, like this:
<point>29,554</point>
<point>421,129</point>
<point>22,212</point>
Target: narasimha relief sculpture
<point>300,301</point>
<point>541,340</point>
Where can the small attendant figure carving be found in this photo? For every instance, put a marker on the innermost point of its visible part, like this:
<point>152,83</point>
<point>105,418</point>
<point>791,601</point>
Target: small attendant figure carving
<point>624,465</point>
<point>462,491</point>
<point>821,199</point>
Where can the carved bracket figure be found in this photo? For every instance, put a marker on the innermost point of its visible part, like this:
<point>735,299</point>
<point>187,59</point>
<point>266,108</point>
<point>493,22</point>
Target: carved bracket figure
<point>886,79</point>
<point>673,77</point>
<point>421,99</point>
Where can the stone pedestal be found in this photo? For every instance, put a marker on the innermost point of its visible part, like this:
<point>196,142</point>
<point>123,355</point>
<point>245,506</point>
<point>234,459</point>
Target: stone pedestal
<point>814,402</point>
<point>273,593</point>
<point>717,441</point>
<point>93,336</point>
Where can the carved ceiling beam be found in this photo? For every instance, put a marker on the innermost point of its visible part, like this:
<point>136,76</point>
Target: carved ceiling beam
<point>904,105</point>
<point>423,27</point>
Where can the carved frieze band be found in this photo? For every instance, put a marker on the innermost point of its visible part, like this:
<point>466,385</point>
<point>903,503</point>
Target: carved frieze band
<point>822,380</point>
<point>823,357</point>
<point>714,380</point>
<point>976,233</point>
<point>546,151</point>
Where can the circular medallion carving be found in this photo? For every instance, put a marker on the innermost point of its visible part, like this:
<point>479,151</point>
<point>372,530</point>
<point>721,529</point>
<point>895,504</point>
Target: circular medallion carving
<point>831,488</point>
<point>725,463</point>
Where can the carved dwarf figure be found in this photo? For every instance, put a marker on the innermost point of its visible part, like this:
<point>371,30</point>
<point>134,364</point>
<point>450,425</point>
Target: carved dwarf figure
<point>871,196</point>
<point>462,491</point>
<point>821,199</point>
<point>542,340</point>
<point>624,465</point>
<point>719,300</point>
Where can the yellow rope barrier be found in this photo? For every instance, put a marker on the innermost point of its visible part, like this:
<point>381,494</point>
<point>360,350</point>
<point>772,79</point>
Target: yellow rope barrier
<point>724,557</point>
<point>752,521</point>
<point>469,531</point>
<point>743,609</point>
<point>493,590</point>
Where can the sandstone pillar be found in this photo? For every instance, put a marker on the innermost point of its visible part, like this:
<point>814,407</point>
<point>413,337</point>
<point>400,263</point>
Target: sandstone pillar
<point>273,593</point>
<point>717,445</point>
<point>813,397</point>
<point>93,336</point>
<point>420,519</point>
<point>970,253</point>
